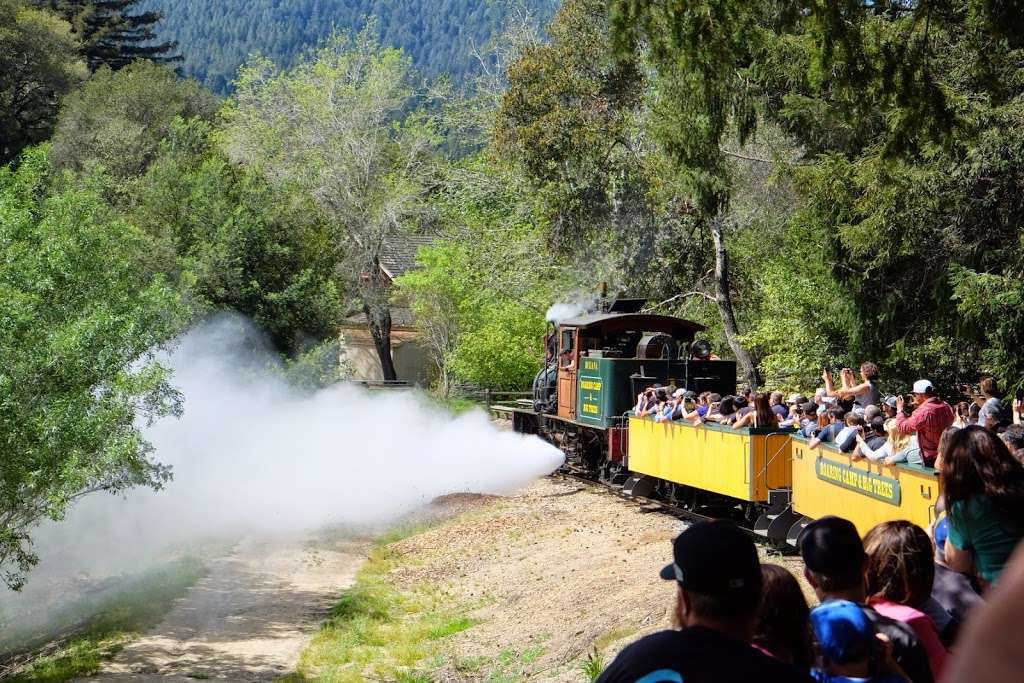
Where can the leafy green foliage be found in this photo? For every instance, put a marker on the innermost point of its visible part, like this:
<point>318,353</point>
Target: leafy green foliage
<point>480,294</point>
<point>38,65</point>
<point>79,323</point>
<point>118,118</point>
<point>236,242</point>
<point>439,35</point>
<point>347,128</point>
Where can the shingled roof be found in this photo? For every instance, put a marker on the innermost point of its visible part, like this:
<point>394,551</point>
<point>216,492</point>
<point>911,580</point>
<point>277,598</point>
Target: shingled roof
<point>398,255</point>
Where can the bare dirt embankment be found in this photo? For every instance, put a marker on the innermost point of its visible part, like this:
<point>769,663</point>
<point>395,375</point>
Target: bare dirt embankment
<point>551,574</point>
<point>248,619</point>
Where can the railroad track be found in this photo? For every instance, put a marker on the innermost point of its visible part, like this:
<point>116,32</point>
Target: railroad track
<point>660,506</point>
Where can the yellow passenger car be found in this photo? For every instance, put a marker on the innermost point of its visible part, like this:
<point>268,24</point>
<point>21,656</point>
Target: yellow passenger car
<point>742,464</point>
<point>827,482</point>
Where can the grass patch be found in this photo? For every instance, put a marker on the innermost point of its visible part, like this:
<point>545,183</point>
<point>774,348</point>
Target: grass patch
<point>613,636</point>
<point>381,631</point>
<point>92,629</point>
<point>592,666</point>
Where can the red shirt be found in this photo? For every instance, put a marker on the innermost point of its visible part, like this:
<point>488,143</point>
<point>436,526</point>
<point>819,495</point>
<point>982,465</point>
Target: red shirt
<point>928,421</point>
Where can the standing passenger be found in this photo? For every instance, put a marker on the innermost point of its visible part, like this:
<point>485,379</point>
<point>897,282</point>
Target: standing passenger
<point>930,418</point>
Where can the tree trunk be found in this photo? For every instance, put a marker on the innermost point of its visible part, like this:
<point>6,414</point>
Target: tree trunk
<point>748,366</point>
<point>379,322</point>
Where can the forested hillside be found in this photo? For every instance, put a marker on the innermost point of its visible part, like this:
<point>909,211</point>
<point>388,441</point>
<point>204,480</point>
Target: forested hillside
<point>215,37</point>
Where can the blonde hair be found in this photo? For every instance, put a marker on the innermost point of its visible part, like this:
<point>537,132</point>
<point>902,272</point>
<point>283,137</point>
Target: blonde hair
<point>896,439</point>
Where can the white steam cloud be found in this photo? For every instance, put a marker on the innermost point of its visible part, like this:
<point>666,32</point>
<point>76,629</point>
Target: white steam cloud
<point>576,306</point>
<point>251,456</point>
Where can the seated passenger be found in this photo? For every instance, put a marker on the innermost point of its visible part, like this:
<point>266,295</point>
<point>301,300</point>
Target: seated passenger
<point>836,417</point>
<point>783,629</point>
<point>889,407</point>
<point>778,405</point>
<point>703,406</point>
<point>761,416</point>
<point>809,420</point>
<point>983,486</point>
<point>743,405</point>
<point>875,435</point>
<point>898,447</point>
<point>642,400</point>
<point>899,575</point>
<point>850,648</point>
<point>726,409</point>
<point>870,412</point>
<point>846,439</point>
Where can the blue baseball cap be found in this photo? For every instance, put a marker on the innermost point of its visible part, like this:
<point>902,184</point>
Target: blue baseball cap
<point>843,631</point>
<point>940,532</point>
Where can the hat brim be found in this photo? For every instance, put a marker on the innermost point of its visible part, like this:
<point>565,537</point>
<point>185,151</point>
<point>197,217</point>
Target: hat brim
<point>668,572</point>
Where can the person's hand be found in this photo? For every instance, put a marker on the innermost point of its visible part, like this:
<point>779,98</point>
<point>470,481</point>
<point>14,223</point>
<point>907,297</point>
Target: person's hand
<point>889,461</point>
<point>899,404</point>
<point>825,374</point>
<point>1018,406</point>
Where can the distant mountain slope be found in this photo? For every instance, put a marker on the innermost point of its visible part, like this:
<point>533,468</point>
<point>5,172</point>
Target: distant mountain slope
<point>215,36</point>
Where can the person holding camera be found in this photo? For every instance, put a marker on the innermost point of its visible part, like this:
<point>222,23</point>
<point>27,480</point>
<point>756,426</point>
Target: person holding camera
<point>930,418</point>
<point>992,411</point>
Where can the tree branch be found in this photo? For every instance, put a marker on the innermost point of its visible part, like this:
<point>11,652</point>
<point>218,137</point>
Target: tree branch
<point>678,296</point>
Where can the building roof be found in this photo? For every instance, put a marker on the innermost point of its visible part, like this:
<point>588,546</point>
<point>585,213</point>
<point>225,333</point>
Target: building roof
<point>636,322</point>
<point>398,253</point>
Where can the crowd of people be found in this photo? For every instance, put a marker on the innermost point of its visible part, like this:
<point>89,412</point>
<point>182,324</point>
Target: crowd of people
<point>890,610</point>
<point>853,416</point>
<point>900,604</point>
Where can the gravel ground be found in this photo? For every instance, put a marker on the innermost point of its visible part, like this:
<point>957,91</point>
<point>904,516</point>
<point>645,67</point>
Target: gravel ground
<point>551,573</point>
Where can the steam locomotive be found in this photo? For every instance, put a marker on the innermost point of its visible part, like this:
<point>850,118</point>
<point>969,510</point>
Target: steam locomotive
<point>598,363</point>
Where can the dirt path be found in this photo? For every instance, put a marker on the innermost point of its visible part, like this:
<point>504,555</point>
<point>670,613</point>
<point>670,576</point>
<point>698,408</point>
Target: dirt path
<point>557,573</point>
<point>248,620</point>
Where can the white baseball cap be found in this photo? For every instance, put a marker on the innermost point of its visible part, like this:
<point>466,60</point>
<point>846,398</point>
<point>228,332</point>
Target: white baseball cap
<point>678,393</point>
<point>922,386</point>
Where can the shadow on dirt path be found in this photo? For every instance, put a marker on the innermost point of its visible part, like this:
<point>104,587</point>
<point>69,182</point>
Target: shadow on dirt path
<point>248,620</point>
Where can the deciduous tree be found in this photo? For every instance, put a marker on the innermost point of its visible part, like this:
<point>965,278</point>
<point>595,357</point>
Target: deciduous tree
<point>38,65</point>
<point>344,127</point>
<point>79,324</point>
<point>118,118</point>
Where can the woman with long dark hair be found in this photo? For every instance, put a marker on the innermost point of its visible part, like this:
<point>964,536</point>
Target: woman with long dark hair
<point>983,485</point>
<point>761,417</point>
<point>783,621</point>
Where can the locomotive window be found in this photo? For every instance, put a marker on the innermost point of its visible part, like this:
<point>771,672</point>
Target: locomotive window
<point>567,347</point>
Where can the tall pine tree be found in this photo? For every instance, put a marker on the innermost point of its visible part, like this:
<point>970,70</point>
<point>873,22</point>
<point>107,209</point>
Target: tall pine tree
<point>113,33</point>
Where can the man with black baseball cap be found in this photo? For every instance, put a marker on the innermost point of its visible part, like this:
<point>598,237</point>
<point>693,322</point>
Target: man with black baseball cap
<point>718,592</point>
<point>834,564</point>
